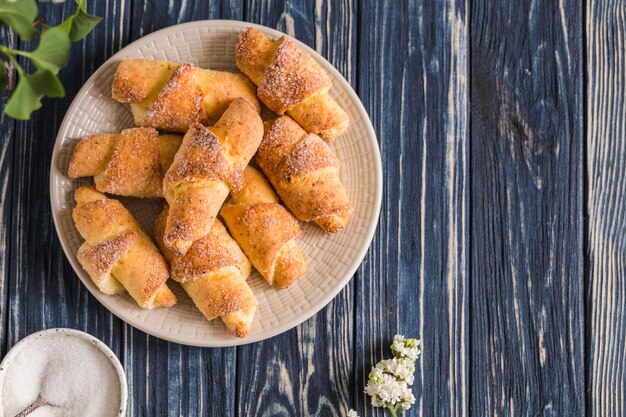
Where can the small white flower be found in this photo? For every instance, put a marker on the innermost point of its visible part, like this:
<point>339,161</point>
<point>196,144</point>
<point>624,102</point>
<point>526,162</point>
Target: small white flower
<point>405,348</point>
<point>402,369</point>
<point>387,391</point>
<point>407,399</point>
<point>377,372</point>
<point>352,413</point>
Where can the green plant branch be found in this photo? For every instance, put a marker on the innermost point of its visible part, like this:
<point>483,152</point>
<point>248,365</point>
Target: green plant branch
<point>10,53</point>
<point>48,58</point>
<point>18,52</point>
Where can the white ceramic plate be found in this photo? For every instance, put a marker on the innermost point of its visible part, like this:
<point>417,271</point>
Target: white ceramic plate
<point>332,260</point>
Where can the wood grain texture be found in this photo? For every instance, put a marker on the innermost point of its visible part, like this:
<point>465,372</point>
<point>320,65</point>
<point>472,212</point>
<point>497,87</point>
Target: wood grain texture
<point>7,129</point>
<point>413,81</point>
<point>43,290</point>
<point>606,195</point>
<point>306,371</point>
<point>148,16</point>
<point>527,336</point>
<point>478,107</point>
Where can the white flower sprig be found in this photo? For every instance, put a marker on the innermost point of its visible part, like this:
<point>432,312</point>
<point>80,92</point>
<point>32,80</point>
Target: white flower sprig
<point>390,381</point>
<point>406,348</point>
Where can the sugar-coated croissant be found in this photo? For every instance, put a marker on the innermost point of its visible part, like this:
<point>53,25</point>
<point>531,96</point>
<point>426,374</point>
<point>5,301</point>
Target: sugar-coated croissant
<point>208,165</point>
<point>265,230</point>
<point>170,96</point>
<point>131,163</point>
<point>117,254</point>
<point>305,173</point>
<point>289,80</point>
<point>213,272</point>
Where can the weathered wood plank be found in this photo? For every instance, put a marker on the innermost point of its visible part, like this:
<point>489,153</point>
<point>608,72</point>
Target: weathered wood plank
<point>526,200</point>
<point>306,371</point>
<point>606,194</point>
<point>43,290</point>
<point>413,81</point>
<point>525,216</point>
<point>149,16</point>
<point>7,130</point>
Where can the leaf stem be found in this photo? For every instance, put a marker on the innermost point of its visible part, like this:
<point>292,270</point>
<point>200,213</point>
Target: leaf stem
<point>393,411</point>
<point>16,64</point>
<point>18,52</point>
<point>12,52</point>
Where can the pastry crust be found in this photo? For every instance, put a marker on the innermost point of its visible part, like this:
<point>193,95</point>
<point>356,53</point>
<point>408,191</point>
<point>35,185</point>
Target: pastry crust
<point>213,272</point>
<point>305,173</point>
<point>91,155</point>
<point>117,254</point>
<point>179,104</point>
<point>139,80</point>
<point>170,96</point>
<point>292,77</point>
<point>265,230</point>
<point>290,80</point>
<point>131,163</point>
<point>208,165</point>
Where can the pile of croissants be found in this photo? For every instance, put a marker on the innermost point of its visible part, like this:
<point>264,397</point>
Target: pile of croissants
<point>206,173</point>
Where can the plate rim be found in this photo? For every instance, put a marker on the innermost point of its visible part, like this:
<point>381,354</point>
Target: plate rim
<point>328,297</point>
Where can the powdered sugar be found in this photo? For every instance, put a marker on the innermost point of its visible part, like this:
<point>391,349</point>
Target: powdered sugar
<point>70,372</point>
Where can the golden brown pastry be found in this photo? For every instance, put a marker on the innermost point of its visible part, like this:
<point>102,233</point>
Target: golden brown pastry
<point>265,230</point>
<point>289,80</point>
<point>305,173</point>
<point>170,96</point>
<point>208,165</point>
<point>117,254</point>
<point>131,163</point>
<point>213,273</point>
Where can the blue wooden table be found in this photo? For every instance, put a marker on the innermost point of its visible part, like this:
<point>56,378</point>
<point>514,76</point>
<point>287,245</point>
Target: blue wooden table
<point>502,237</point>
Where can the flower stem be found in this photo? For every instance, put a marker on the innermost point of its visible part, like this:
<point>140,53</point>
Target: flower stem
<point>393,411</point>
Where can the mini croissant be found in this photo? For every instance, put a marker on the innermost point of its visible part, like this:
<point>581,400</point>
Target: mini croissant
<point>305,174</point>
<point>170,96</point>
<point>213,273</point>
<point>117,254</point>
<point>208,165</point>
<point>289,80</point>
<point>131,163</point>
<point>265,230</point>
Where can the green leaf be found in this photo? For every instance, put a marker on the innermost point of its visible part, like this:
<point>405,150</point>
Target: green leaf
<point>53,50</point>
<point>30,90</point>
<point>83,24</point>
<point>19,14</point>
<point>80,23</point>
